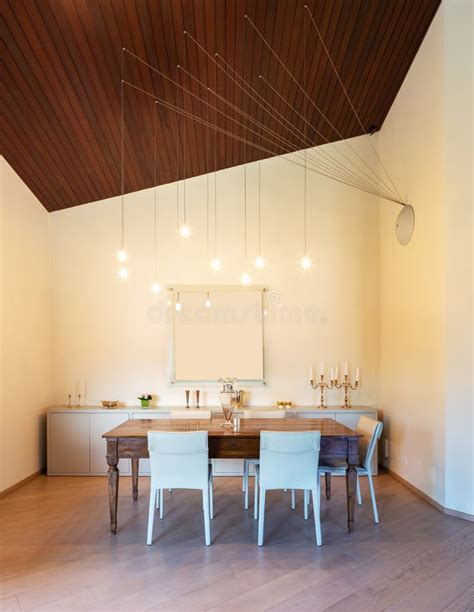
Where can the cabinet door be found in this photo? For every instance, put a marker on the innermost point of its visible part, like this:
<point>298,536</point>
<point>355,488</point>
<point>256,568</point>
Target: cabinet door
<point>228,467</point>
<point>315,415</point>
<point>351,419</point>
<point>144,469</point>
<point>68,451</point>
<point>99,424</point>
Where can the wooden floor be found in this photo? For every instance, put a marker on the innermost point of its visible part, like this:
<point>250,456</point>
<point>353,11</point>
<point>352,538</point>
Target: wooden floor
<point>56,553</point>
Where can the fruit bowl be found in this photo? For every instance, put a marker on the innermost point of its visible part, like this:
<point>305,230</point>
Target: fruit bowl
<point>109,404</point>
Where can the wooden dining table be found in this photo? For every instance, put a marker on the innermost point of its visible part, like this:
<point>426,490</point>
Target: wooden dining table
<point>129,441</point>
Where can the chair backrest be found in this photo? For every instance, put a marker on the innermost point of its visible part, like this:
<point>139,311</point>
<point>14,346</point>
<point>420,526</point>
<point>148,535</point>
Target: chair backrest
<point>264,414</point>
<point>371,431</point>
<point>190,413</point>
<point>178,460</point>
<point>289,459</point>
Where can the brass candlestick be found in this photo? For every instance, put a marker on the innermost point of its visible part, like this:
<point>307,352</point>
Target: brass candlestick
<point>321,385</point>
<point>187,397</point>
<point>197,398</point>
<point>346,385</point>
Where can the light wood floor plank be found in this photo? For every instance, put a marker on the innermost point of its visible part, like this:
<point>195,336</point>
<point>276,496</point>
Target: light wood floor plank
<point>56,552</point>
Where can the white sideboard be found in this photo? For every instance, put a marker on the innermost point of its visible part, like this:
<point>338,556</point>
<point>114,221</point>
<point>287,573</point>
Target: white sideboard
<point>76,447</point>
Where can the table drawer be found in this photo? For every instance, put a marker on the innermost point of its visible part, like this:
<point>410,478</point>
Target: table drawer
<point>234,448</point>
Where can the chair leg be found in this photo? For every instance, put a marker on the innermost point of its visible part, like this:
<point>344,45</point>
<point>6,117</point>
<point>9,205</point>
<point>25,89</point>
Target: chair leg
<point>151,516</point>
<point>246,484</point>
<point>157,500</point>
<point>261,517</point>
<point>359,495</point>
<point>211,496</point>
<point>255,496</point>
<point>246,467</point>
<point>293,499</point>
<point>162,504</point>
<point>327,479</point>
<point>317,515</point>
<point>207,522</point>
<point>306,504</point>
<point>372,496</point>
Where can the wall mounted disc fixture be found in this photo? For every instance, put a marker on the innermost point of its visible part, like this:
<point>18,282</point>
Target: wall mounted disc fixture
<point>405,225</point>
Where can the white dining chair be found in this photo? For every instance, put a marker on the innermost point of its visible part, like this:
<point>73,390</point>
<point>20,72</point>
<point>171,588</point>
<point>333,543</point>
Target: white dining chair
<point>371,431</point>
<point>179,460</point>
<point>188,414</point>
<point>288,460</point>
<point>248,463</point>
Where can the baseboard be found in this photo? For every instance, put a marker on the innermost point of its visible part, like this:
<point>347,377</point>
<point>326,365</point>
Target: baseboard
<point>20,483</point>
<point>456,513</point>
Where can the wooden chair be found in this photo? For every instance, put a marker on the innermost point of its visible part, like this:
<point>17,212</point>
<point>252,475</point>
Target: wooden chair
<point>371,431</point>
<point>258,414</point>
<point>289,460</point>
<point>179,460</point>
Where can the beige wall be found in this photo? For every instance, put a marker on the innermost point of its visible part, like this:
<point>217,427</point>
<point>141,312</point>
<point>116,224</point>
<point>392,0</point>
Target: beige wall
<point>426,287</point>
<point>25,310</point>
<point>110,339</point>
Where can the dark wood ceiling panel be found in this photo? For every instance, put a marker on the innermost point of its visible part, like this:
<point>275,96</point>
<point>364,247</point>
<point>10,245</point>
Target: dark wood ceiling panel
<point>61,128</point>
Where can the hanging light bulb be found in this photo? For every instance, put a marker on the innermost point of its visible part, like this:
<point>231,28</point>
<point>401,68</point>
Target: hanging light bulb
<point>260,262</point>
<point>245,279</point>
<point>184,231</point>
<point>208,302</point>
<point>122,256</point>
<point>216,264</point>
<point>155,288</point>
<point>305,263</point>
<point>178,303</point>
<point>123,273</point>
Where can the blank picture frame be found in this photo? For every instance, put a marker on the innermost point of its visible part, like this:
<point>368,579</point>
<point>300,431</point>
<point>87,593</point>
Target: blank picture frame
<point>223,340</point>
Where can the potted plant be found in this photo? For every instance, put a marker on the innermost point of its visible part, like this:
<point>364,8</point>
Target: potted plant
<point>145,399</point>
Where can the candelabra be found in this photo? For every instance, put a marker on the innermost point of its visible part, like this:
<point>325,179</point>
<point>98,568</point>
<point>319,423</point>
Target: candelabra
<point>321,385</point>
<point>346,385</point>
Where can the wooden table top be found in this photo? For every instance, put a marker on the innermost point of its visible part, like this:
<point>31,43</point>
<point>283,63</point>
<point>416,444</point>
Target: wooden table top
<point>138,428</point>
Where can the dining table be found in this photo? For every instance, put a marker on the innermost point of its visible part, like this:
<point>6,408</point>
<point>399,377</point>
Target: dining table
<point>129,441</point>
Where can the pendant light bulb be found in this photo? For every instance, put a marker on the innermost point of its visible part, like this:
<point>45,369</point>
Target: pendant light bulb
<point>155,288</point>
<point>122,256</point>
<point>305,263</point>
<point>178,303</point>
<point>246,280</point>
<point>260,262</point>
<point>123,273</point>
<point>208,302</point>
<point>216,264</point>
<point>185,232</point>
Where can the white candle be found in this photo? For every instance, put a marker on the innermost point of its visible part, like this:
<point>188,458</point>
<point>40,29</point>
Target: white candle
<point>345,369</point>
<point>321,369</point>
<point>310,373</point>
<point>357,375</point>
<point>332,378</point>
<point>337,369</point>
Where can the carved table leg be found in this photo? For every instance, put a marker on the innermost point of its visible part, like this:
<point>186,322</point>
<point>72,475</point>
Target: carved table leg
<point>327,478</point>
<point>113,482</point>
<point>135,465</point>
<point>351,483</point>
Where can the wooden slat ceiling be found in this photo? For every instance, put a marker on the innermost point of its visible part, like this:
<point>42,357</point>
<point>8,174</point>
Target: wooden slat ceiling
<point>62,75</point>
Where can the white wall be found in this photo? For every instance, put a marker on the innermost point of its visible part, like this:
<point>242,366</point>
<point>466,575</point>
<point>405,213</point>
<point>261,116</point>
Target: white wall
<point>25,310</point>
<point>110,338</point>
<point>426,287</point>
